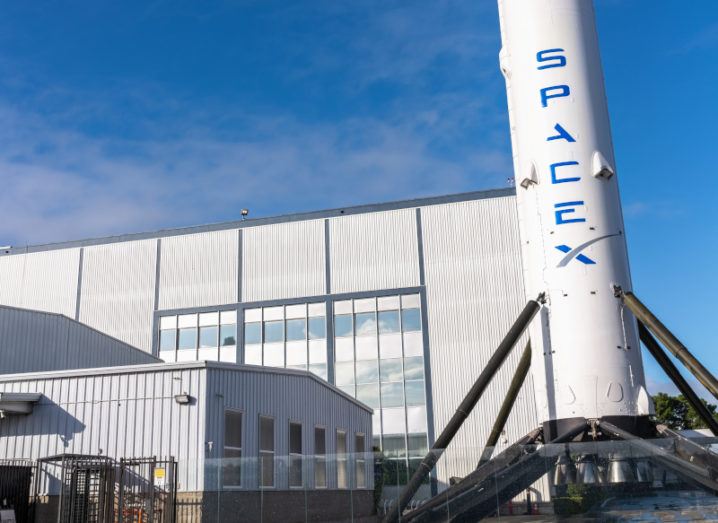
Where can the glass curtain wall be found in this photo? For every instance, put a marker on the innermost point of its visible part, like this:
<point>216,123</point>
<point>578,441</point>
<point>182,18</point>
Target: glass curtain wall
<point>291,336</point>
<point>204,336</point>
<point>379,359</point>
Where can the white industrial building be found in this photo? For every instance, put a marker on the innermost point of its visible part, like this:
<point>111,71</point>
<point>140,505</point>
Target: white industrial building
<point>398,305</point>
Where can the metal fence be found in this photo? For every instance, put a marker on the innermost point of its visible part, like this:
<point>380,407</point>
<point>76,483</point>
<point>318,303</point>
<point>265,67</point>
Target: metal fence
<point>15,484</point>
<point>98,489</point>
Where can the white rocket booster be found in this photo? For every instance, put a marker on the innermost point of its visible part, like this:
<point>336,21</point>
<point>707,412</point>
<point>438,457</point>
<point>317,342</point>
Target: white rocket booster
<point>586,357</point>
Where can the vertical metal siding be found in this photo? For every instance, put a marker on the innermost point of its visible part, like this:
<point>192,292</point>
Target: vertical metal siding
<point>45,281</point>
<point>100,414</point>
<point>284,260</point>
<point>32,341</point>
<point>199,270</point>
<point>118,288</point>
<point>133,414</point>
<point>374,251</point>
<point>474,291</point>
<point>285,398</point>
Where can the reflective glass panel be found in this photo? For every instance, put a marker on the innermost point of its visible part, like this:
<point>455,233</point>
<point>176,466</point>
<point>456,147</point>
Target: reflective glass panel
<point>394,446</point>
<point>414,368</point>
<point>253,332</point>
<point>187,339</point>
<point>168,339</point>
<point>344,373</point>
<point>317,328</point>
<point>415,392</point>
<point>392,394</point>
<point>365,323</point>
<point>368,394</point>
<point>208,337</point>
<point>296,330</point>
<point>411,320</point>
<point>417,445</point>
<point>388,322</point>
<point>228,335</point>
<point>367,371</point>
<point>273,331</point>
<point>391,370</point>
<point>343,325</point>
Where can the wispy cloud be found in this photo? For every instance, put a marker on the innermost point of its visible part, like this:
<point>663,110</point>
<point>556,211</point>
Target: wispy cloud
<point>397,100</point>
<point>60,184</point>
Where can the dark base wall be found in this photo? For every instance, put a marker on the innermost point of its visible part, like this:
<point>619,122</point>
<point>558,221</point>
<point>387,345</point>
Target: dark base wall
<point>276,506</point>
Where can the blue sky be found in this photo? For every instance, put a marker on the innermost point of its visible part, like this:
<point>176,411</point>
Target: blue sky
<point>132,116</point>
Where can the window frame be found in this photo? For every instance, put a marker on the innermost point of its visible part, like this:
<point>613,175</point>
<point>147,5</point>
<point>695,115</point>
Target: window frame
<point>261,453</point>
<point>320,458</point>
<point>295,455</point>
<point>342,459</point>
<point>241,448</point>
<point>360,461</point>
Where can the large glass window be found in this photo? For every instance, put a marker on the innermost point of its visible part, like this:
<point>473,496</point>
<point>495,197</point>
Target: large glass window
<point>232,462</point>
<point>291,336</point>
<point>342,472</point>
<point>296,457</point>
<point>320,458</point>
<point>266,451</point>
<point>213,333</point>
<point>380,341</point>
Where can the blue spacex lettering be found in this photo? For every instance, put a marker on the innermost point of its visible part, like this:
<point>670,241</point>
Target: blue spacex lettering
<point>563,171</point>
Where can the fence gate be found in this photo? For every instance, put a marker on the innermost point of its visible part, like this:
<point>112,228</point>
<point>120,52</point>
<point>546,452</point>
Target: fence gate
<point>86,487</point>
<point>147,489</point>
<point>15,480</point>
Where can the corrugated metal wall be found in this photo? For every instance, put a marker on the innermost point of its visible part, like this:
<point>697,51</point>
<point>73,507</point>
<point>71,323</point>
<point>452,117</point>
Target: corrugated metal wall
<point>118,290</point>
<point>199,269</point>
<point>113,414</point>
<point>374,251</point>
<point>284,397</point>
<point>32,341</point>
<point>474,290</point>
<point>283,260</point>
<point>45,281</point>
<point>131,412</point>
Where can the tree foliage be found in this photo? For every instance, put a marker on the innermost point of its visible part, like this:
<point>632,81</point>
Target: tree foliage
<point>677,413</point>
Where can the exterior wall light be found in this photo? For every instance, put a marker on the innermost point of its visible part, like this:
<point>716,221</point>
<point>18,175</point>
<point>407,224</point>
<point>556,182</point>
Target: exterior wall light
<point>183,399</point>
